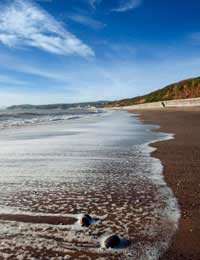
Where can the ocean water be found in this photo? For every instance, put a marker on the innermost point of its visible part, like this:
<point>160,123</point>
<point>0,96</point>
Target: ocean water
<point>21,116</point>
<point>53,171</point>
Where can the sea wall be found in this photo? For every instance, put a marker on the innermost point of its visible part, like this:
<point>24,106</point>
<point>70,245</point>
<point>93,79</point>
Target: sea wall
<point>190,102</point>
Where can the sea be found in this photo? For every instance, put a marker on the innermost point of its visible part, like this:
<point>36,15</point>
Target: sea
<point>58,164</point>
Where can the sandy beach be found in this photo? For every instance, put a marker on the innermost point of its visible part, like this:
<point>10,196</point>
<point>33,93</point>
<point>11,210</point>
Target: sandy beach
<point>181,160</point>
<point>54,172</point>
<point>63,170</point>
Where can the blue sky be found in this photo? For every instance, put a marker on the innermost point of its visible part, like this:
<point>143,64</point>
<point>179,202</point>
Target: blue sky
<point>60,51</point>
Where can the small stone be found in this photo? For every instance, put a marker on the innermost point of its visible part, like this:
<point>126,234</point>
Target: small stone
<point>112,241</point>
<point>85,220</point>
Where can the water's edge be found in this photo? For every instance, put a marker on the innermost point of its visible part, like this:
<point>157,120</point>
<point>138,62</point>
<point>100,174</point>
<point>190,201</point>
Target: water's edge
<point>106,169</point>
<point>150,148</point>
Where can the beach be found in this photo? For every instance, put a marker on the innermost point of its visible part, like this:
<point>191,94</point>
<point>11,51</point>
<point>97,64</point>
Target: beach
<point>54,171</point>
<point>181,160</point>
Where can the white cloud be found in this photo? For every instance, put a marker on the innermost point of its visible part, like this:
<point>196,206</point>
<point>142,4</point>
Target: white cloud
<point>115,79</point>
<point>126,5</point>
<point>55,74</point>
<point>11,81</point>
<point>87,21</point>
<point>23,23</point>
<point>122,5</point>
<point>94,3</point>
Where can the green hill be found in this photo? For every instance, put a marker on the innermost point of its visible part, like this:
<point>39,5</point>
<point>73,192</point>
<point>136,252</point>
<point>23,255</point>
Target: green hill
<point>189,88</point>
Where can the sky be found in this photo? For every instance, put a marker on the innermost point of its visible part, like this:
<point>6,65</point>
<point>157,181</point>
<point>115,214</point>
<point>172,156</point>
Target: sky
<point>65,51</point>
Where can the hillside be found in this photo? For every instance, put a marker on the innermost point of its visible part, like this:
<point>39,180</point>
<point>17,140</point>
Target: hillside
<point>189,88</point>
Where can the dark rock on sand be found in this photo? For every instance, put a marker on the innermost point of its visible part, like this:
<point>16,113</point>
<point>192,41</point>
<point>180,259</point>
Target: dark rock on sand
<point>85,220</point>
<point>112,241</point>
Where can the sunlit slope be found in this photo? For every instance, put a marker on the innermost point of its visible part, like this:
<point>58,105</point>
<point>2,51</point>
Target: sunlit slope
<point>189,88</point>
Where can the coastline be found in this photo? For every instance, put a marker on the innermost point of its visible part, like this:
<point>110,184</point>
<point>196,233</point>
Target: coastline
<point>44,210</point>
<point>181,161</point>
<point>99,166</point>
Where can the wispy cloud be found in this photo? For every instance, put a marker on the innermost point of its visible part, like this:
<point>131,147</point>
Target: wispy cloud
<point>23,23</point>
<point>94,3</point>
<point>11,81</point>
<point>87,21</point>
<point>126,5</point>
<point>122,5</point>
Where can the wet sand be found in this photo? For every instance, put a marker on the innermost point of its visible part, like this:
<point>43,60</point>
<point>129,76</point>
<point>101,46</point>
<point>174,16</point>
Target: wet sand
<point>53,173</point>
<point>181,160</point>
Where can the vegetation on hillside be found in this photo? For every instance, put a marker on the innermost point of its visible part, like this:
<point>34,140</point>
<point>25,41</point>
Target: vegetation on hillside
<point>189,88</point>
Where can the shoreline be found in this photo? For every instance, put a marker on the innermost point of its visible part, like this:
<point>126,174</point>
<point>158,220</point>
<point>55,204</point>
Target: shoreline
<point>180,158</point>
<point>126,195</point>
<point>102,171</point>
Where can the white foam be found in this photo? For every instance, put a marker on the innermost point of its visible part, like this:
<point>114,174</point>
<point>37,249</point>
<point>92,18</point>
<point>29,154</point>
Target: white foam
<point>102,168</point>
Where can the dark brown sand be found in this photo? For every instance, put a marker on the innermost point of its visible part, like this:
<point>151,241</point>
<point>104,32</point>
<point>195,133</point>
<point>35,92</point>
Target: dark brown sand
<point>39,219</point>
<point>181,160</point>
